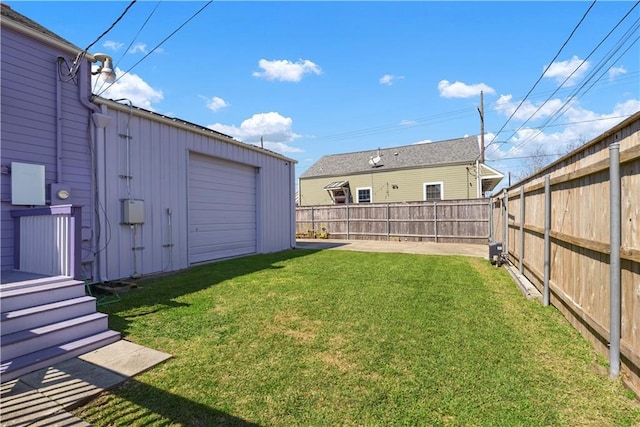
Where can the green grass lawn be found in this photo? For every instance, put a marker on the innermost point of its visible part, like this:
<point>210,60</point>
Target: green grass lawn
<point>305,338</point>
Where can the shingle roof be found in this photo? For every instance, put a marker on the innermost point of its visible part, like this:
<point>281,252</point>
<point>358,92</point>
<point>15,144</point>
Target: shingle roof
<point>459,150</point>
<point>9,13</point>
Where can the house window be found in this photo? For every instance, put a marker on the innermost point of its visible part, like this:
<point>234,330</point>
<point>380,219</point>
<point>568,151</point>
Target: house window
<point>364,195</point>
<point>433,191</point>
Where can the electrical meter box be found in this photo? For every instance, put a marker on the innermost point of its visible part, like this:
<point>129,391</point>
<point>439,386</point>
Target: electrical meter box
<point>132,211</point>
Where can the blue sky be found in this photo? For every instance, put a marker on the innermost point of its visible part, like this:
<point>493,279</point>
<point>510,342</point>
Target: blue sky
<point>317,78</point>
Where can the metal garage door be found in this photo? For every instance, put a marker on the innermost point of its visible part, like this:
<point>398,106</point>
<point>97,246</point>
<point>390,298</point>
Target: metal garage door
<point>222,209</point>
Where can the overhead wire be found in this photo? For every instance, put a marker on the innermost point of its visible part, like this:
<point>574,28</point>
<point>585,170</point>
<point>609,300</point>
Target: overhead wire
<point>73,69</point>
<point>544,72</point>
<point>573,96</point>
<point>105,32</point>
<point>157,46</point>
<point>132,41</point>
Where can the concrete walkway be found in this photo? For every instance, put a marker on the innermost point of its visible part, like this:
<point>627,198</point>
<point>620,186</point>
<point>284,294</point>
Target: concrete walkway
<point>44,397</point>
<point>466,249</point>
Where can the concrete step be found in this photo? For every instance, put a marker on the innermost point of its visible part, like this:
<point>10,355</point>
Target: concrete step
<point>34,317</point>
<point>21,365</point>
<point>17,298</point>
<point>31,340</point>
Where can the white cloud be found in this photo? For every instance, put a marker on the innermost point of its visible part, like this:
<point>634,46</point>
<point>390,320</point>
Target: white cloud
<point>506,106</point>
<point>112,45</point>
<point>407,122</point>
<point>274,128</point>
<point>462,90</point>
<point>215,104</point>
<point>388,79</point>
<point>424,141</point>
<point>616,71</point>
<point>142,48</point>
<point>584,125</point>
<point>561,70</point>
<point>129,86</point>
<point>285,70</point>
<point>138,48</point>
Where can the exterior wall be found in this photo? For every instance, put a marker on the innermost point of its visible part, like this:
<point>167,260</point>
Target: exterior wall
<point>28,126</point>
<point>158,165</point>
<point>458,183</point>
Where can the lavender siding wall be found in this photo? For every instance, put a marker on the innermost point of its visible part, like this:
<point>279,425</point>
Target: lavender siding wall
<point>159,169</point>
<point>28,127</point>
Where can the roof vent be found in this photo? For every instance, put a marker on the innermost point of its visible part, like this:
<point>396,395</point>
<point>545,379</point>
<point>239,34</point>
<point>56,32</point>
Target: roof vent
<point>375,160</point>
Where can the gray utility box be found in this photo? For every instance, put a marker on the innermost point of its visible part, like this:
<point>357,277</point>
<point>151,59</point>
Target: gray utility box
<point>132,211</point>
<point>495,251</point>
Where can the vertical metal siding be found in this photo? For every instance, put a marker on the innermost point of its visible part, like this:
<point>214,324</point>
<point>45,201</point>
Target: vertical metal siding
<point>44,245</point>
<point>29,127</point>
<point>159,166</point>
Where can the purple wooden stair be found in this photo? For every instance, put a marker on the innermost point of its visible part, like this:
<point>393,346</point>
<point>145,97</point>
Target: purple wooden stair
<point>45,321</point>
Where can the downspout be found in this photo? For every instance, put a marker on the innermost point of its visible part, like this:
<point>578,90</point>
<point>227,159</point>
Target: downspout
<point>614,264</point>
<point>97,141</point>
<point>58,123</point>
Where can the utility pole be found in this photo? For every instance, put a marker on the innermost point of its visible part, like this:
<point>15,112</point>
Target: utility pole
<point>481,111</point>
<point>479,163</point>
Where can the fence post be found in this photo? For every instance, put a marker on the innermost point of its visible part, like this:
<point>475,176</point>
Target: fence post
<point>614,264</point>
<point>506,223</point>
<point>521,260</point>
<point>547,240</point>
<point>388,222</point>
<point>491,220</point>
<point>435,221</point>
<point>313,226</point>
<point>347,221</point>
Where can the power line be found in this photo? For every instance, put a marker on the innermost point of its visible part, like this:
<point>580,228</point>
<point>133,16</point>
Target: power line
<point>132,41</point>
<point>112,25</point>
<point>544,72</point>
<point>158,45</point>
<point>585,81</point>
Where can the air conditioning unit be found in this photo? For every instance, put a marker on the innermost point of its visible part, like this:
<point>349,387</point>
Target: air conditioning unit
<point>495,252</point>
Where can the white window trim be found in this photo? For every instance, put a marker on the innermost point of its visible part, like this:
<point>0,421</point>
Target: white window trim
<point>364,188</point>
<point>424,189</point>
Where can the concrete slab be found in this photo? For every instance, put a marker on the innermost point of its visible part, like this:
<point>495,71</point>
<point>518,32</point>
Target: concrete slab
<point>21,404</point>
<point>429,248</point>
<point>125,358</point>
<point>61,419</point>
<point>72,382</point>
<point>42,398</point>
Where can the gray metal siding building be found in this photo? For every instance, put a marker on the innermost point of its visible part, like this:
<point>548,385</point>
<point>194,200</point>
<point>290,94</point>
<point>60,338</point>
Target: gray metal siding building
<point>201,195</point>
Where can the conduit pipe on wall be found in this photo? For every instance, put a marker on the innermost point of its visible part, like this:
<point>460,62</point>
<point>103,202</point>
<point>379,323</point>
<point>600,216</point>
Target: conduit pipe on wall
<point>614,263</point>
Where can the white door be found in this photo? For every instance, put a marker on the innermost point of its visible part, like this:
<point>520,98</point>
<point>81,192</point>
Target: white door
<point>222,208</point>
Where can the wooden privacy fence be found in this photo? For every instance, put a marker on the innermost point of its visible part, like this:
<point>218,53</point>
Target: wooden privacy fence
<point>452,221</point>
<point>573,229</point>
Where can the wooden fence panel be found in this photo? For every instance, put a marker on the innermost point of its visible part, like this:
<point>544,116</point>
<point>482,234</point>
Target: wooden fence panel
<point>463,221</point>
<point>580,238</point>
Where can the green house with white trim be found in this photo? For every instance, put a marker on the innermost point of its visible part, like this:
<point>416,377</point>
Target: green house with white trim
<point>443,170</point>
